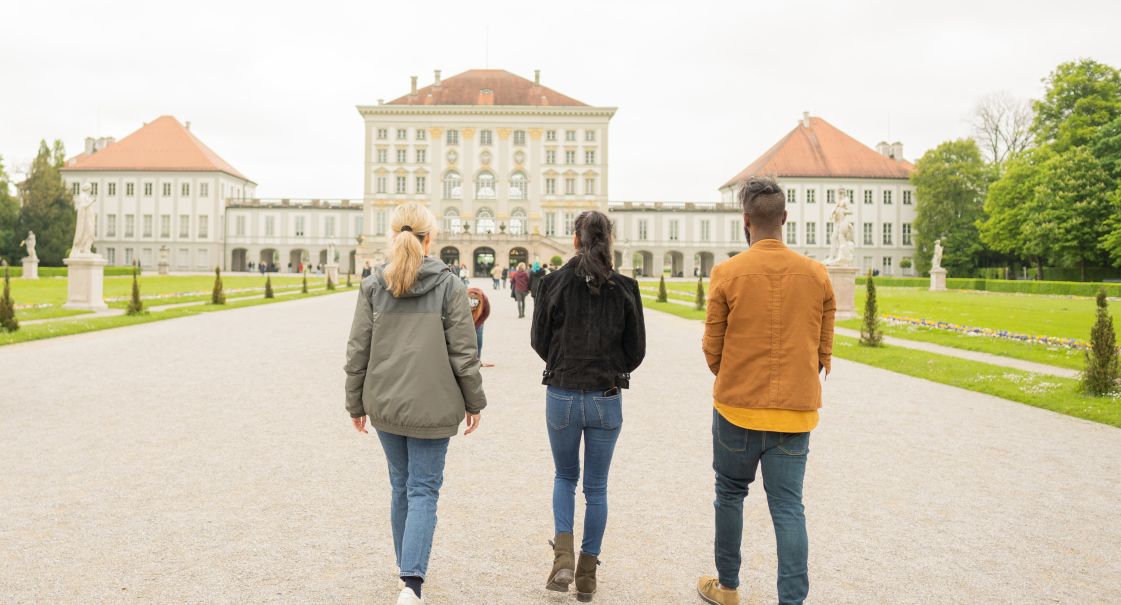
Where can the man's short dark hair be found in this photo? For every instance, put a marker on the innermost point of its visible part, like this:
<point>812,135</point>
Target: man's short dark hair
<point>762,199</point>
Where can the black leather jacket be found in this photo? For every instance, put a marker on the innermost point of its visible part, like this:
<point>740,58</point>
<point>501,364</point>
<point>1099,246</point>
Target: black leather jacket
<point>589,342</point>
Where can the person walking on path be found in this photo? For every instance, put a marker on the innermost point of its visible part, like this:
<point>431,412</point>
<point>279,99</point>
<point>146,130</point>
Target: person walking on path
<point>412,312</point>
<point>534,279</point>
<point>464,275</point>
<point>519,284</point>
<point>480,311</point>
<point>496,275</point>
<point>367,271</point>
<point>505,275</point>
<point>588,327</point>
<point>767,392</point>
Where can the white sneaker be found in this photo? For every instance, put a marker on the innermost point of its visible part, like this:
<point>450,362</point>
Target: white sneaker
<point>408,597</point>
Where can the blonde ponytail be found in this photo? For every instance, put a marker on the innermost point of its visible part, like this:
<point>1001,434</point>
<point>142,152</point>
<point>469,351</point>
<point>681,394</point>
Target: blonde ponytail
<point>410,224</point>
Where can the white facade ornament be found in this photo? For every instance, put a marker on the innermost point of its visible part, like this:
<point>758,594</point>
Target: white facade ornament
<point>83,232</point>
<point>936,260</point>
<point>844,234</point>
<point>30,243</point>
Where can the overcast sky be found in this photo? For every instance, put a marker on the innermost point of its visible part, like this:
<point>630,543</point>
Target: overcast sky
<point>702,87</point>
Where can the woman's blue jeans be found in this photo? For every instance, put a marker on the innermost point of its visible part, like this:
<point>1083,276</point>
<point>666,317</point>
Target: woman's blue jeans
<point>416,472</point>
<point>573,416</point>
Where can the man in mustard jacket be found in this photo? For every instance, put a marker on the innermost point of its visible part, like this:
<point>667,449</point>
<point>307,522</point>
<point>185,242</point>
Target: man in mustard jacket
<point>768,336</point>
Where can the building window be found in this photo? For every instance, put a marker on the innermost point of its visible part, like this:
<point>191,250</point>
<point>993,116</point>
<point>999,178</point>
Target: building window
<point>185,189</point>
<point>111,255</point>
<point>383,134</point>
<point>204,226</point>
<point>643,229</point>
<point>484,186</point>
<point>830,196</point>
<point>811,234</point>
<point>569,223</point>
<point>518,222</point>
<point>111,225</point>
<point>165,226</point>
<point>551,223</point>
<point>421,134</point>
<point>887,234</point>
<point>569,157</point>
<point>590,185</point>
<point>93,188</point>
<point>486,137</point>
<point>421,184</point>
<point>147,232</point>
<point>484,221</point>
<point>128,256</point>
<point>112,188</point>
<point>329,227</point>
<point>402,134</point>
<point>906,198</point>
<point>734,232</point>
<point>402,184</point>
<point>166,189</point>
<point>868,234</point>
<point>906,234</point>
<point>358,224</point>
<point>184,226</point>
<point>706,227</point>
<point>867,196</point>
<point>791,233</point>
<point>383,156</point>
<point>829,234</point>
<point>519,187</point>
<point>204,189</point>
<point>570,186</point>
<point>147,190</point>
<point>452,187</point>
<point>791,196</point>
<point>75,188</point>
<point>453,137</point>
<point>380,184</point>
<point>570,135</point>
<point>674,230</point>
<point>850,196</point>
<point>379,223</point>
<point>519,137</point>
<point>550,186</point>
<point>451,221</point>
<point>887,265</point>
<point>402,156</point>
<point>239,226</point>
<point>130,225</point>
<point>550,135</point>
<point>130,189</point>
<point>811,196</point>
<point>589,135</point>
<point>887,198</point>
<point>590,156</point>
<point>550,156</point>
<point>270,226</point>
<point>421,156</point>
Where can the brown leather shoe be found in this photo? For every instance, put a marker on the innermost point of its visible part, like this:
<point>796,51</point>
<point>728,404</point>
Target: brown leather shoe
<point>586,577</point>
<point>564,562</point>
<point>712,592</point>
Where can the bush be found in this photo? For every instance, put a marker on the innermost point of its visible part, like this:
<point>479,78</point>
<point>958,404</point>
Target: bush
<point>557,260</point>
<point>217,297</point>
<point>662,296</point>
<point>304,288</point>
<point>135,305</point>
<point>8,321</point>
<point>1100,375</point>
<point>330,283</point>
<point>1021,286</point>
<point>871,335</point>
<point>268,288</point>
<point>905,263</point>
<point>700,303</point>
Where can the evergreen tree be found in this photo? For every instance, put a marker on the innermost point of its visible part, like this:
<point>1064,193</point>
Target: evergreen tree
<point>1100,376</point>
<point>871,335</point>
<point>135,305</point>
<point>48,208</point>
<point>348,284</point>
<point>700,302</point>
<point>217,297</point>
<point>8,321</point>
<point>304,288</point>
<point>268,288</point>
<point>662,295</point>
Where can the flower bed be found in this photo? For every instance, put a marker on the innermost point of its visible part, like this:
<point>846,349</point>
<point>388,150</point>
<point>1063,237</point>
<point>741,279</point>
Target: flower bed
<point>1051,341</point>
<point>168,295</point>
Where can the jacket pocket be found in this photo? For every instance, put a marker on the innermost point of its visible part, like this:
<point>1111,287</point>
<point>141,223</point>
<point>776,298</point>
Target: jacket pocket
<point>558,410</point>
<point>609,411</point>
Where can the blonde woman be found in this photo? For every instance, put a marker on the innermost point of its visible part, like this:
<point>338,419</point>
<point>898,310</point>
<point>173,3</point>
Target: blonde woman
<point>412,313</point>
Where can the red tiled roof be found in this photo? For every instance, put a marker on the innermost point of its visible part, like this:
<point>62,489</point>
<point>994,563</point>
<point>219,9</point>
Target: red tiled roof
<point>468,88</point>
<point>163,144</point>
<point>822,150</point>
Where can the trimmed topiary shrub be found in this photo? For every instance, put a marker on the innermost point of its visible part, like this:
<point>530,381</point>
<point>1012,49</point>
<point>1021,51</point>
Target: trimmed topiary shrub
<point>330,283</point>
<point>557,260</point>
<point>135,305</point>
<point>8,321</point>
<point>871,335</point>
<point>700,302</point>
<point>662,295</point>
<point>268,288</point>
<point>1101,373</point>
<point>348,283</point>
<point>304,288</point>
<point>218,296</point>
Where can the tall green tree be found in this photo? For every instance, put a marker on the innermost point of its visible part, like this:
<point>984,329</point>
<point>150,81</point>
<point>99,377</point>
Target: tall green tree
<point>48,208</point>
<point>1071,208</point>
<point>1009,206</point>
<point>950,185</point>
<point>1081,96</point>
<point>9,218</point>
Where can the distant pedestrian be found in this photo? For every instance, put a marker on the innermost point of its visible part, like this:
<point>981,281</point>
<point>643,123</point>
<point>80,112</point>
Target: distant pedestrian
<point>535,278</point>
<point>480,311</point>
<point>463,275</point>
<point>496,275</point>
<point>366,270</point>
<point>505,275</point>
<point>412,370</point>
<point>588,327</point>
<point>519,285</point>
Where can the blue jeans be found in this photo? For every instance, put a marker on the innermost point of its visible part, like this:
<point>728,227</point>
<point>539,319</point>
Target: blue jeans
<point>416,472</point>
<point>736,453</point>
<point>570,416</point>
<point>479,340</point>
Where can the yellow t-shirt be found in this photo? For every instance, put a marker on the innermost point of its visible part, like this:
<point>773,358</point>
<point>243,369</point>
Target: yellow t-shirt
<point>769,419</point>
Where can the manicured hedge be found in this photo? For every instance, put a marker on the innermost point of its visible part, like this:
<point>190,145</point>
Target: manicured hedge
<point>1003,285</point>
<point>17,271</point>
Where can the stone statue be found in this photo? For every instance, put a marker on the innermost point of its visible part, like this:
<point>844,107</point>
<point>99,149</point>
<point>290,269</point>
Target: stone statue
<point>83,233</point>
<point>332,254</point>
<point>844,234</point>
<point>30,243</point>
<point>936,260</point>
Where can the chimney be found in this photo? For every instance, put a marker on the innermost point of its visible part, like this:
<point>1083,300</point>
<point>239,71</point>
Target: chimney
<point>897,151</point>
<point>90,142</point>
<point>381,101</point>
<point>805,119</point>
<point>437,77</point>
<point>883,148</point>
<point>413,78</point>
<point>188,124</point>
<point>537,77</point>
<point>486,97</point>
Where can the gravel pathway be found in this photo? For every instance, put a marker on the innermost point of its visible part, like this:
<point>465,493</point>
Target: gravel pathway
<point>208,459</point>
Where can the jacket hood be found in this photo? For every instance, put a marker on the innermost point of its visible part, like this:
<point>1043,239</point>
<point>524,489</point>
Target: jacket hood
<point>432,270</point>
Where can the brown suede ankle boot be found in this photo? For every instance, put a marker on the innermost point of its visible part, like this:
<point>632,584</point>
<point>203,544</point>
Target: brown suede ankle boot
<point>586,577</point>
<point>564,560</point>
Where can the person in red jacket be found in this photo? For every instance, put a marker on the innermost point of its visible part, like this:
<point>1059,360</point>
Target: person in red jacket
<point>519,282</point>
<point>480,311</point>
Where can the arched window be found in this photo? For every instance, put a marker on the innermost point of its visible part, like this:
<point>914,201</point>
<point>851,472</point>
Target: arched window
<point>484,221</point>
<point>519,186</point>
<point>484,186</point>
<point>452,223</point>
<point>518,222</point>
<point>453,189</point>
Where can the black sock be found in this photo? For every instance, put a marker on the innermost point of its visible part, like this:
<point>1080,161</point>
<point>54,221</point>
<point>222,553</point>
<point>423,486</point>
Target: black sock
<point>413,583</point>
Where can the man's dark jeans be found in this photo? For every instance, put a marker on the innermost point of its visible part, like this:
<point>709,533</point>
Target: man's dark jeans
<point>736,453</point>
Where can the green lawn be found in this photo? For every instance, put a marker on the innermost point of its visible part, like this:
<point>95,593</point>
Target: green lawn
<point>52,291</point>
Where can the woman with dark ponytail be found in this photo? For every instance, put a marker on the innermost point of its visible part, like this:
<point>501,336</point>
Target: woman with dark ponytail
<point>589,329</point>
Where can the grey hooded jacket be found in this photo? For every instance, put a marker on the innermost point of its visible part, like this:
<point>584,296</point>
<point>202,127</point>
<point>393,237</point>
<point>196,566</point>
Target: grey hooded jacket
<point>412,363</point>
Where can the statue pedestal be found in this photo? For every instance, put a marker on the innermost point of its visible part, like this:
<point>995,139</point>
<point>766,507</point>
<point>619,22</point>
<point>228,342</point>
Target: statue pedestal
<point>332,271</point>
<point>844,290</point>
<point>163,267</point>
<point>84,284</point>
<point>30,268</point>
<point>937,280</point>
